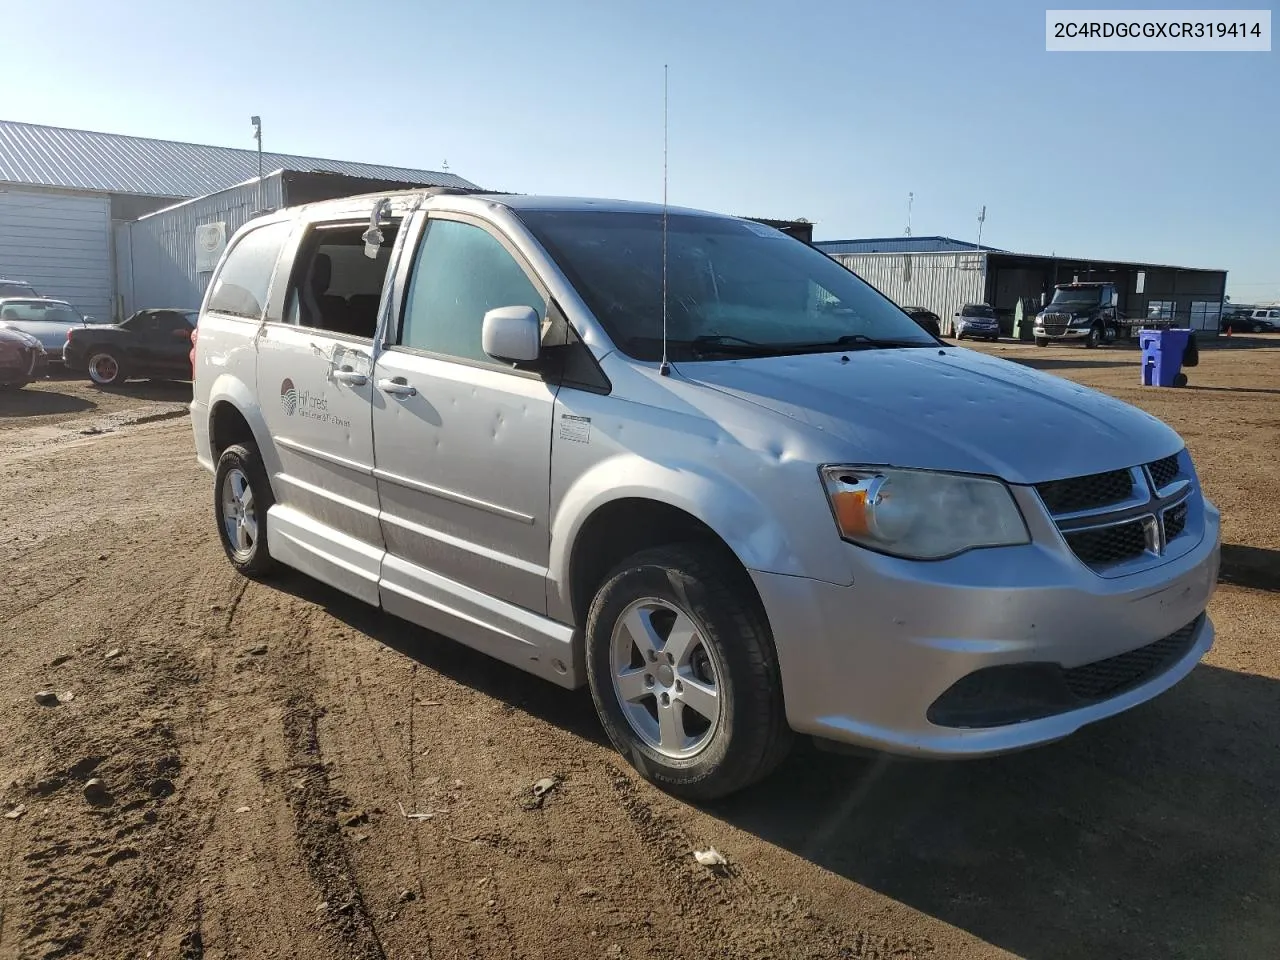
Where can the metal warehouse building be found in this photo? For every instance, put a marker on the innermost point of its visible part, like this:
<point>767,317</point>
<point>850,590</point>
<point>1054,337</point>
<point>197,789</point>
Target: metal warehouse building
<point>942,274</point>
<point>68,199</point>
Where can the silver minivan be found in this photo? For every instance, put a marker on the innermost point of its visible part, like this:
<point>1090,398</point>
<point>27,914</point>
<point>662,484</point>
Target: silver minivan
<point>698,466</point>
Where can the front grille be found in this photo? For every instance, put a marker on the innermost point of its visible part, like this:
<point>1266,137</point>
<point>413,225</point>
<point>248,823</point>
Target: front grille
<point>1086,493</point>
<point>1165,471</point>
<point>1018,692</point>
<point>1106,678</point>
<point>1055,329</point>
<point>1106,546</point>
<point>1175,520</point>
<point>1109,518</point>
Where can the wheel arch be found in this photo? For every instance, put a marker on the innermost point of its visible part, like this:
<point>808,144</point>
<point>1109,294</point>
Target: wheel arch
<point>620,508</point>
<point>235,417</point>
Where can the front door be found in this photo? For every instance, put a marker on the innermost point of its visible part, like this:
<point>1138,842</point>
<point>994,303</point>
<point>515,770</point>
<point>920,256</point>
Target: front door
<point>315,383</point>
<point>462,446</point>
<point>171,345</point>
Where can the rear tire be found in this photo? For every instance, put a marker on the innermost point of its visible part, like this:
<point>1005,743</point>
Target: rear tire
<point>674,634</point>
<point>241,498</point>
<point>105,368</point>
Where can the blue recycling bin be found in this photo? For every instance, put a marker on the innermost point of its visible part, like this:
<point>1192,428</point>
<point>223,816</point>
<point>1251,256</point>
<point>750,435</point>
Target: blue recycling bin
<point>1162,353</point>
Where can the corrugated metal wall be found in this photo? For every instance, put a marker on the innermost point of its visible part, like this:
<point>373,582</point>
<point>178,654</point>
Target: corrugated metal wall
<point>60,243</point>
<point>161,247</point>
<point>941,282</point>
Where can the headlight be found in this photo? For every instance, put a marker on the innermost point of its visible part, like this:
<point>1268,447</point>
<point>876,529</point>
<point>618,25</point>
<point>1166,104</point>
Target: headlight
<point>921,514</point>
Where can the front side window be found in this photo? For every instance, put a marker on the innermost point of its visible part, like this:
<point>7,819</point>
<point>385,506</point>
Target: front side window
<point>245,276</point>
<point>460,273</point>
<point>734,288</point>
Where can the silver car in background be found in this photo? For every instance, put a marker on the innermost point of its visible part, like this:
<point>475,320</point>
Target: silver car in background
<point>48,320</point>
<point>700,467</point>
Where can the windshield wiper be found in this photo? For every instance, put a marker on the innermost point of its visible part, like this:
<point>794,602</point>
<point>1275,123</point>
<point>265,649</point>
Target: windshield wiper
<point>856,341</point>
<point>726,343</point>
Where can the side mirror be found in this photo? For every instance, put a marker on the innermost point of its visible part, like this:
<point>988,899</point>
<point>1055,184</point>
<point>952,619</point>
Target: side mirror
<point>512,334</point>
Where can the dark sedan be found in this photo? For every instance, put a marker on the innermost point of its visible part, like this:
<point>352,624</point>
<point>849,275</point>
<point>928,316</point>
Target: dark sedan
<point>151,343</point>
<point>926,319</point>
<point>22,359</point>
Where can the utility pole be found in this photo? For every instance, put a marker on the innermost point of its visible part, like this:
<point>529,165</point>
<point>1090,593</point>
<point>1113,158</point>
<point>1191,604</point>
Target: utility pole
<point>257,133</point>
<point>910,200</point>
<point>982,218</point>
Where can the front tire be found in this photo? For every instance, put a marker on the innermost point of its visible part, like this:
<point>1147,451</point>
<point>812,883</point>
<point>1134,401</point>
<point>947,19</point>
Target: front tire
<point>1042,341</point>
<point>241,497</point>
<point>105,369</point>
<point>684,673</point>
<point>1094,338</point>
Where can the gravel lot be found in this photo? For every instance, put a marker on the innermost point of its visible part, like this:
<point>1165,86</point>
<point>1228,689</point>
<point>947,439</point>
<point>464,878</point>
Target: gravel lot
<point>256,749</point>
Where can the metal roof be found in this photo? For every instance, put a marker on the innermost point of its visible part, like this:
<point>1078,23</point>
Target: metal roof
<point>900,245</point>
<point>112,163</point>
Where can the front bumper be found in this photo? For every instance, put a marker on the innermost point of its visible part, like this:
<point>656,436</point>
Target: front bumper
<point>1070,333</point>
<point>863,664</point>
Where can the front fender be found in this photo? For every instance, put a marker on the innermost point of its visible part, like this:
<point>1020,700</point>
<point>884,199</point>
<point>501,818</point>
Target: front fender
<point>759,534</point>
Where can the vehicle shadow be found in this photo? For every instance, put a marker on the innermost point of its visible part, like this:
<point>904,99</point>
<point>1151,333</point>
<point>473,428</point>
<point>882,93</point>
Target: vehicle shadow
<point>1067,363</point>
<point>1153,834</point>
<point>1192,386</point>
<point>1254,567</point>
<point>1150,834</point>
<point>570,710</point>
<point>159,390</point>
<point>40,403</point>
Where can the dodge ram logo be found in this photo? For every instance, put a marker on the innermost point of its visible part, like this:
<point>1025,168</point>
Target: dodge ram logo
<point>289,397</point>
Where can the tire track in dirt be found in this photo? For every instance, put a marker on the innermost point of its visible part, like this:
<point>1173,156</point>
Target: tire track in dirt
<point>316,825</point>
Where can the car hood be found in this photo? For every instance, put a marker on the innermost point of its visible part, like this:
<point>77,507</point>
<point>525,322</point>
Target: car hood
<point>947,409</point>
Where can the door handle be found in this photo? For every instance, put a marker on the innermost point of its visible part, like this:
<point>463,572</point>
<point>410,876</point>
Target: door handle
<point>347,375</point>
<point>397,386</point>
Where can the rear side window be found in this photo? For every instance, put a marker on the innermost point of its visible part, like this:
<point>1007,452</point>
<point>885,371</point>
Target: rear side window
<point>334,285</point>
<point>241,285</point>
<point>461,272</point>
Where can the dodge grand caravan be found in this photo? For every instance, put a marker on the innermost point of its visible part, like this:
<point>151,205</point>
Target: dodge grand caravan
<point>698,466</point>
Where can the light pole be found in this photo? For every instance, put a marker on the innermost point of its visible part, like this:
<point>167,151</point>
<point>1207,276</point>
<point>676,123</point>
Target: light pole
<point>910,200</point>
<point>257,134</point>
<point>982,218</point>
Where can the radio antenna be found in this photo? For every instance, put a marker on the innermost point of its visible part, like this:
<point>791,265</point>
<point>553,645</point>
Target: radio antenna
<point>664,369</point>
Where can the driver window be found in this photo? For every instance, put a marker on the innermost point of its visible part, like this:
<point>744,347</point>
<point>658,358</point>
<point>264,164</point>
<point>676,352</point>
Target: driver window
<point>461,271</point>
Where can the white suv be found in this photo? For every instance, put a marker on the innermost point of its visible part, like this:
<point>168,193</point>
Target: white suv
<point>699,466</point>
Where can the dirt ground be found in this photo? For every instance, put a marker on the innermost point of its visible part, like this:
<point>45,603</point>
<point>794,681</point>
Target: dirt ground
<point>251,770</point>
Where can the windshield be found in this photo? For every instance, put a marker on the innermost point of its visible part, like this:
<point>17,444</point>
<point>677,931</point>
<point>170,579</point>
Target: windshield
<point>734,288</point>
<point>977,310</point>
<point>1076,299</point>
<point>47,311</point>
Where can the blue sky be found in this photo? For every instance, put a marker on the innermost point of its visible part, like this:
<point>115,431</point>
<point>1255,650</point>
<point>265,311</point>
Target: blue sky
<point>831,111</point>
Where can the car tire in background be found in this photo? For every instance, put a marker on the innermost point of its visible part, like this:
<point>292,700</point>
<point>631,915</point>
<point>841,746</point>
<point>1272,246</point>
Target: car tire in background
<point>241,498</point>
<point>683,671</point>
<point>105,368</point>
